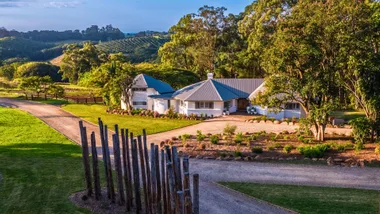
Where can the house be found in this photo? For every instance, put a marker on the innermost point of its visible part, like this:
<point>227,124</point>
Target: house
<point>209,97</point>
<point>145,86</point>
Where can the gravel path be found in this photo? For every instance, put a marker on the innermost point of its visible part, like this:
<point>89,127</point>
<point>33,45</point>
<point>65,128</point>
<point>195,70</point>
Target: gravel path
<point>216,199</point>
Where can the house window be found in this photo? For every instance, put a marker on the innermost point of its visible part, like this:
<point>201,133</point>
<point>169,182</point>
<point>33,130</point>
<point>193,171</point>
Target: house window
<point>204,105</point>
<point>139,103</point>
<point>227,104</point>
<point>292,106</point>
<point>183,103</point>
<point>138,89</point>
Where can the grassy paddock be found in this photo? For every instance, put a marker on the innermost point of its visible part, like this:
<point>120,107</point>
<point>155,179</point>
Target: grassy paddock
<point>314,200</point>
<point>39,166</point>
<point>135,124</point>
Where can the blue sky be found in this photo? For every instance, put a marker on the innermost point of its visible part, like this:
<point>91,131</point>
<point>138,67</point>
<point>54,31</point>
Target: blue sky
<point>128,15</point>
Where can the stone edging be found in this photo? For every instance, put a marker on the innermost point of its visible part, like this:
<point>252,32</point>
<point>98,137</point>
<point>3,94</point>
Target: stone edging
<point>256,199</point>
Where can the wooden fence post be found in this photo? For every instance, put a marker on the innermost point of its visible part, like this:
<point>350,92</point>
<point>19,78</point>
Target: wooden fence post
<point>86,158</point>
<point>127,168</point>
<point>109,166</point>
<point>163,181</point>
<point>153,178</point>
<point>95,167</point>
<point>136,176</point>
<point>180,205</point>
<point>158,178</point>
<point>196,193</point>
<point>101,129</point>
<point>177,169</point>
<point>148,176</point>
<point>171,181</point>
<point>186,186</point>
<point>143,174</point>
<point>117,161</point>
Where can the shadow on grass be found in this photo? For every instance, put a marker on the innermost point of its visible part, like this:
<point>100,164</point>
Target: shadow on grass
<point>40,150</point>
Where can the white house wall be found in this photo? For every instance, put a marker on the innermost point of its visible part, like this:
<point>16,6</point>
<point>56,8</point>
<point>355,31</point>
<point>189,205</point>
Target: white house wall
<point>160,105</point>
<point>280,115</point>
<point>217,111</point>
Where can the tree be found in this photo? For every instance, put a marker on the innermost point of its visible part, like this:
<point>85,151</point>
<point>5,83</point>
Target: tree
<point>77,61</point>
<point>35,84</point>
<point>300,62</point>
<point>40,69</point>
<point>8,70</point>
<point>115,80</point>
<point>56,90</point>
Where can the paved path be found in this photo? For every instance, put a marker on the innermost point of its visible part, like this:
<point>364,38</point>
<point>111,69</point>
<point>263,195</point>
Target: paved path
<point>214,198</point>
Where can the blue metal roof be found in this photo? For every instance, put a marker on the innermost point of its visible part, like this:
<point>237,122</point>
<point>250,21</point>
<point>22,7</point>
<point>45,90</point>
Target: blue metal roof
<point>145,81</point>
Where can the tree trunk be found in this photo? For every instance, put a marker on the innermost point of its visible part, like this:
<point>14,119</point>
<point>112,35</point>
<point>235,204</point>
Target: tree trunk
<point>321,132</point>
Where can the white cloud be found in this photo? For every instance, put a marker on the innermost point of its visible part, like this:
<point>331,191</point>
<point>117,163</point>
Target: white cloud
<point>63,4</point>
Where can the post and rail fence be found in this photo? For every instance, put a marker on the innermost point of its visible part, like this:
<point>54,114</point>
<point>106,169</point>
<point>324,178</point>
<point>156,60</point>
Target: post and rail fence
<point>156,183</point>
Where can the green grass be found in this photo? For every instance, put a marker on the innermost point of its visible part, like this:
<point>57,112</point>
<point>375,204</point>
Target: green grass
<point>312,200</point>
<point>40,168</point>
<point>135,124</point>
<point>348,114</point>
<point>52,101</point>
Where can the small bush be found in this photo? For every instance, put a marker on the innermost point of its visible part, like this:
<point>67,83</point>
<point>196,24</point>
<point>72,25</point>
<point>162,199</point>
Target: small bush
<point>340,148</point>
<point>360,130</point>
<point>253,137</point>
<point>288,149</point>
<point>277,145</point>
<point>237,154</point>
<point>301,138</point>
<point>307,141</point>
<point>200,137</point>
<point>286,137</point>
<point>359,146</point>
<point>271,148</point>
<point>229,129</point>
<point>239,138</point>
<point>377,150</point>
<point>185,137</point>
<point>317,151</point>
<point>257,149</point>
<point>273,137</point>
<point>214,139</point>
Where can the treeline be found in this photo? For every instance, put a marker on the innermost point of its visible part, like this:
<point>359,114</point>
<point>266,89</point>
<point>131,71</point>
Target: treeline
<point>93,33</point>
<point>320,54</point>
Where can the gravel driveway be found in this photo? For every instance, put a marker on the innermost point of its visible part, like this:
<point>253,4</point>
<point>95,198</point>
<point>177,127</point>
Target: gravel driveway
<point>215,199</point>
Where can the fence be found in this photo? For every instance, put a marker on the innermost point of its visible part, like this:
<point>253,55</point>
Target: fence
<point>155,183</point>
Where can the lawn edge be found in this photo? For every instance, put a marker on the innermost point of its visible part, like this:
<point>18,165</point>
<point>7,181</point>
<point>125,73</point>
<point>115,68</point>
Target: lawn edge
<point>254,198</point>
<point>114,124</point>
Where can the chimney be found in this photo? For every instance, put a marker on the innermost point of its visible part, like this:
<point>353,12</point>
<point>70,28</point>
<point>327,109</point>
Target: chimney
<point>210,76</point>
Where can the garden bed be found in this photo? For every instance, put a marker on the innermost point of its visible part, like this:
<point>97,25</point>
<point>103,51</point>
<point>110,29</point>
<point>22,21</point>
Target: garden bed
<point>285,146</point>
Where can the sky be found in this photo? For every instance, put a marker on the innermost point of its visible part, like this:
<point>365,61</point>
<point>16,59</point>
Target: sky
<point>127,15</point>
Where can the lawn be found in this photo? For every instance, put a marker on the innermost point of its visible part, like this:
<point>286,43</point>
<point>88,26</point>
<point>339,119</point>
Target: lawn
<point>348,115</point>
<point>135,124</point>
<point>40,168</point>
<point>312,200</point>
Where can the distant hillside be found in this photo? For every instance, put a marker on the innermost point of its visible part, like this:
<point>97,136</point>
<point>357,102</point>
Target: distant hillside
<point>138,49</point>
<point>13,48</point>
<point>57,61</point>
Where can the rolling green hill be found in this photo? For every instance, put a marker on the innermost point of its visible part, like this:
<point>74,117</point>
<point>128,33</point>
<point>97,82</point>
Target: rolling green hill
<point>138,49</point>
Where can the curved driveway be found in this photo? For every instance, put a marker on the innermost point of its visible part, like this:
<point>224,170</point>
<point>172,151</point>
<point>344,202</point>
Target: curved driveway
<point>215,199</point>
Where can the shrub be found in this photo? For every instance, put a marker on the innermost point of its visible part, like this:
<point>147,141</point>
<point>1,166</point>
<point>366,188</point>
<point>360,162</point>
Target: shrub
<point>185,137</point>
<point>277,145</point>
<point>317,151</point>
<point>301,138</point>
<point>288,148</point>
<point>273,137</point>
<point>272,119</point>
<point>359,146</point>
<point>237,154</point>
<point>257,149</point>
<point>200,137</point>
<point>305,126</point>
<point>271,148</point>
<point>263,118</point>
<point>377,150</point>
<point>286,137</point>
<point>253,137</point>
<point>340,148</point>
<point>307,141</point>
<point>360,129</point>
<point>239,138</point>
<point>214,139</point>
<point>229,129</point>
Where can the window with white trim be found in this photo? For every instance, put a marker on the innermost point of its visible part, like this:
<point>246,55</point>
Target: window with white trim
<point>292,106</point>
<point>204,105</point>
<point>138,89</point>
<point>139,103</point>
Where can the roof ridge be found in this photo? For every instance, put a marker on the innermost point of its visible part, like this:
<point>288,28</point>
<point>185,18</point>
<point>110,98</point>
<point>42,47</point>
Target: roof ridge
<point>213,84</point>
<point>204,82</point>
<point>222,85</point>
